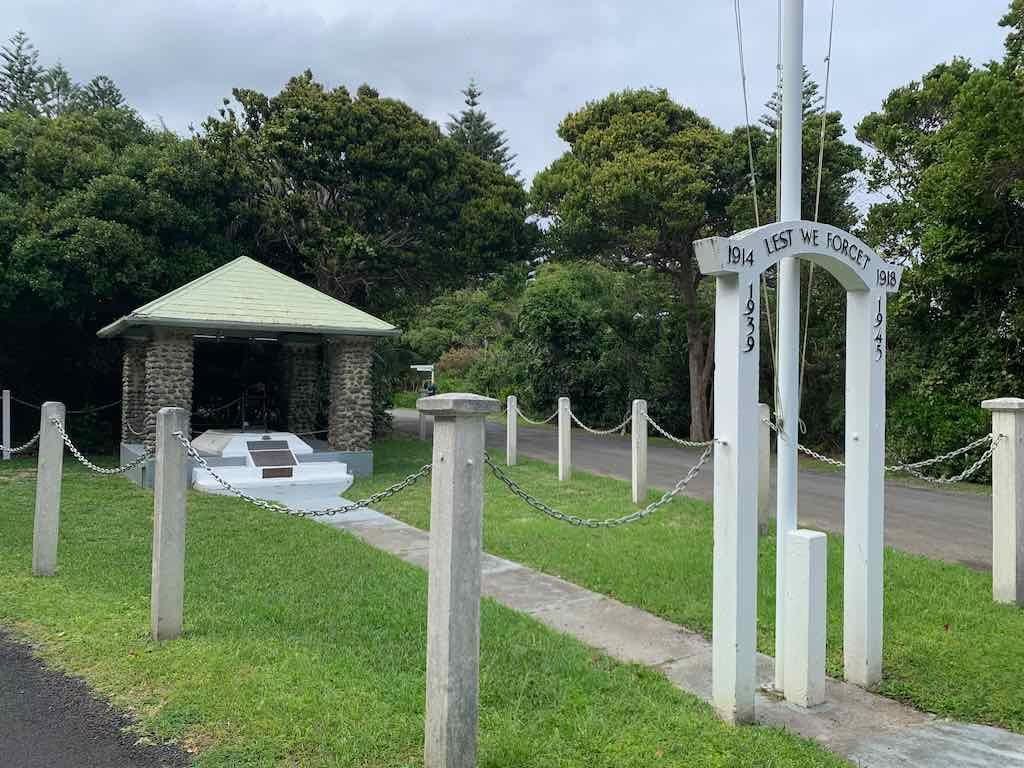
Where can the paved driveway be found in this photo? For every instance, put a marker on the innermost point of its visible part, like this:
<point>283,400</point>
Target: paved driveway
<point>951,526</point>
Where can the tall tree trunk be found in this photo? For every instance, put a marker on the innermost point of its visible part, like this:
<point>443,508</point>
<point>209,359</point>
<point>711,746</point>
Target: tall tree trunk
<point>700,346</point>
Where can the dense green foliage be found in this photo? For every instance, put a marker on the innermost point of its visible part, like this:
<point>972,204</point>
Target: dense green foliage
<point>312,653</point>
<point>949,160</point>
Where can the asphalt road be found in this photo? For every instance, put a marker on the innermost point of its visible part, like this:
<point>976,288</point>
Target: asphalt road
<point>952,526</point>
<point>50,720</point>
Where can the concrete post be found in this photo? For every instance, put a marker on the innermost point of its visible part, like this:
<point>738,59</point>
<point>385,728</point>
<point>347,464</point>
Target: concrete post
<point>806,553</point>
<point>734,569</point>
<point>564,440</point>
<point>764,479</point>
<point>453,595</point>
<point>638,434</point>
<point>511,430</point>
<point>864,488</point>
<point>49,474</point>
<point>1007,500</point>
<point>6,436</point>
<point>167,591</point>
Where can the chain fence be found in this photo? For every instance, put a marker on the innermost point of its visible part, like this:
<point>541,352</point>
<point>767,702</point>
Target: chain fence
<point>913,468</point>
<point>22,448</point>
<point>612,522</point>
<point>678,440</point>
<point>536,422</point>
<point>94,467</point>
<point>276,506</point>
<point>592,430</point>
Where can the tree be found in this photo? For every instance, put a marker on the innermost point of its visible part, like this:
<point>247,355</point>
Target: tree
<point>100,93</point>
<point>637,187</point>
<point>362,196</point>
<point>20,75</point>
<point>475,133</point>
<point>948,156</point>
<point>59,93</point>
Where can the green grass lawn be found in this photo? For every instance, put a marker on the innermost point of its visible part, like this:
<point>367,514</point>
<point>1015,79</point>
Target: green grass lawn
<point>948,648</point>
<point>305,647</point>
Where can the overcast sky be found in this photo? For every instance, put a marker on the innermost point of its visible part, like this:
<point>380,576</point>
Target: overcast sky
<point>535,61</point>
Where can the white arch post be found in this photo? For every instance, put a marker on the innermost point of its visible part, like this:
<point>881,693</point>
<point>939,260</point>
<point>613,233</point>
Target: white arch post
<point>737,264</point>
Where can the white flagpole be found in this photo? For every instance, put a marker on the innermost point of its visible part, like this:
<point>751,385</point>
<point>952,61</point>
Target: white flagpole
<point>788,307</point>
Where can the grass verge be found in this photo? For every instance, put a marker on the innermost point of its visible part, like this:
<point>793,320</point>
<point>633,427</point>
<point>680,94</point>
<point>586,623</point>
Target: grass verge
<point>305,647</point>
<point>948,648</point>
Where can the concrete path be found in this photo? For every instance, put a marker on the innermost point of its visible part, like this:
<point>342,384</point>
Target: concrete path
<point>870,730</point>
<point>950,526</point>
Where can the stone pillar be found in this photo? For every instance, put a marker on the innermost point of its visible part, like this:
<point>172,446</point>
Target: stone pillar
<point>167,587</point>
<point>511,430</point>
<point>133,390</point>
<point>638,435</point>
<point>564,440</point>
<point>168,377</point>
<point>453,590</point>
<point>302,384</point>
<point>806,553</point>
<point>1007,499</point>
<point>350,413</point>
<point>49,473</point>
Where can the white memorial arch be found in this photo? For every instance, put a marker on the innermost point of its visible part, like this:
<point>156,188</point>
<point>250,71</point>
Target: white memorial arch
<point>737,264</point>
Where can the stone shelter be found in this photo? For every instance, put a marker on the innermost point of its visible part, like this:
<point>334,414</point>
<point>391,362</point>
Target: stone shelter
<point>246,300</point>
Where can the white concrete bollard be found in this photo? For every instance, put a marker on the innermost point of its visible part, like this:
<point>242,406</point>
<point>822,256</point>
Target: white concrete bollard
<point>49,474</point>
<point>511,430</point>
<point>6,435</point>
<point>170,490</point>
<point>564,440</point>
<point>453,597</point>
<point>806,553</point>
<point>764,479</point>
<point>638,434</point>
<point>1007,499</point>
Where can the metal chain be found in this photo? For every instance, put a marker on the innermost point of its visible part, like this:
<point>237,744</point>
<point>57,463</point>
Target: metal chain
<point>912,468</point>
<point>275,506</point>
<point>86,463</point>
<point>536,423</point>
<point>97,409</point>
<point>22,448</point>
<point>204,412</point>
<point>593,431</point>
<point>614,522</point>
<point>135,431</point>
<point>678,440</point>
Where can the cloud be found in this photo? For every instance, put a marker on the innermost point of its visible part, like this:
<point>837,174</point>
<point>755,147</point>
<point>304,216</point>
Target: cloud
<point>535,61</point>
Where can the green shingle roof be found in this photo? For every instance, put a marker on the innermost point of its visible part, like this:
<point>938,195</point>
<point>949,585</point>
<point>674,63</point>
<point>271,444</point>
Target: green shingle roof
<point>246,296</point>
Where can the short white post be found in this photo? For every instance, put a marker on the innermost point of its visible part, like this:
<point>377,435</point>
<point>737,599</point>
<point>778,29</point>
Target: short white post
<point>564,440</point>
<point>806,553</point>
<point>1007,499</point>
<point>167,591</point>
<point>453,593</point>
<point>49,473</point>
<point>6,436</point>
<point>423,426</point>
<point>764,479</point>
<point>511,430</point>
<point>638,433</point>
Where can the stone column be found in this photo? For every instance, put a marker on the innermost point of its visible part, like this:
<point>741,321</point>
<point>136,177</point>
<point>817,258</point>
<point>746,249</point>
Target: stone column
<point>133,390</point>
<point>350,413</point>
<point>302,384</point>
<point>168,377</point>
